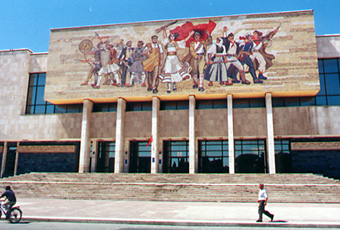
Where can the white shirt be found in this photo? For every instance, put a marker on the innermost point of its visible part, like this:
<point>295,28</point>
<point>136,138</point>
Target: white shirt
<point>262,195</point>
<point>212,50</point>
<point>201,49</point>
<point>232,49</point>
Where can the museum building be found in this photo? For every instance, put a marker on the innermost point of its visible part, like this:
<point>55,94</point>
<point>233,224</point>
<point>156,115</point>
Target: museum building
<point>58,113</point>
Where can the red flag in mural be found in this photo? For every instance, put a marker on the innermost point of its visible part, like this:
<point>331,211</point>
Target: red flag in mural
<point>184,30</point>
<point>150,141</point>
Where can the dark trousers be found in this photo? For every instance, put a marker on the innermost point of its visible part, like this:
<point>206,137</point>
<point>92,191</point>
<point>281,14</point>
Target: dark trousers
<point>8,205</point>
<point>153,78</point>
<point>232,71</point>
<point>247,60</point>
<point>263,211</point>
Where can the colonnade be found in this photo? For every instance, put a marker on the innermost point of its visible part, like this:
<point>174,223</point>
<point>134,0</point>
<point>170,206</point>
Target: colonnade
<point>84,159</point>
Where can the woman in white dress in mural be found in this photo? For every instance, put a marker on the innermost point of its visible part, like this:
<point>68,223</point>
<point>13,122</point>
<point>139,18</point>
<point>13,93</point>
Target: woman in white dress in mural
<point>174,70</point>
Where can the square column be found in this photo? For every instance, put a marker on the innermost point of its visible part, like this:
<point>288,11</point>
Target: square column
<point>193,163</point>
<point>4,159</point>
<point>119,153</point>
<point>16,159</point>
<point>231,146</point>
<point>155,136</point>
<point>270,135</point>
<point>94,156</point>
<point>85,143</point>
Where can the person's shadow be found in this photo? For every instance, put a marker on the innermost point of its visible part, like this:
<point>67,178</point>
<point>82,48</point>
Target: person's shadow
<point>279,221</point>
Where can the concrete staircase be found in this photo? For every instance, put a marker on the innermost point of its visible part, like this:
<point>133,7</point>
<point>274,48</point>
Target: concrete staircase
<point>301,188</point>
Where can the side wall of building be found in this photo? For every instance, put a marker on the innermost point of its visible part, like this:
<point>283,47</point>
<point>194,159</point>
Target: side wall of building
<point>16,67</point>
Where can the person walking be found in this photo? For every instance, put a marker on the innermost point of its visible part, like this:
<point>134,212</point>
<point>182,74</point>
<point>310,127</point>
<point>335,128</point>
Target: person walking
<point>262,200</point>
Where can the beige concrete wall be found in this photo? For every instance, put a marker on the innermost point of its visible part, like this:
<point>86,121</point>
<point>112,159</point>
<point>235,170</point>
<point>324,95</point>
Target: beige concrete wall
<point>321,120</point>
<point>328,46</point>
<point>38,63</point>
<point>14,124</point>
<point>250,122</point>
<point>103,125</point>
<point>211,123</point>
<point>138,124</point>
<point>174,124</point>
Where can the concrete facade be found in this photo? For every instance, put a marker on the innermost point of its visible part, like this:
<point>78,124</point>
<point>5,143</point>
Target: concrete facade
<point>122,127</point>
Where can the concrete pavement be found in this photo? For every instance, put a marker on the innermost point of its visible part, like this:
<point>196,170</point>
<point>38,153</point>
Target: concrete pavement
<point>179,213</point>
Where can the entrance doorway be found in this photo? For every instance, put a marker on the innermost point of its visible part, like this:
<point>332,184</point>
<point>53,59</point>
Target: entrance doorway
<point>250,156</point>
<point>106,157</point>
<point>176,157</point>
<point>10,161</point>
<point>140,157</point>
<point>213,157</point>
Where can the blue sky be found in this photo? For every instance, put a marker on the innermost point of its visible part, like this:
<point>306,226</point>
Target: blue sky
<point>27,23</point>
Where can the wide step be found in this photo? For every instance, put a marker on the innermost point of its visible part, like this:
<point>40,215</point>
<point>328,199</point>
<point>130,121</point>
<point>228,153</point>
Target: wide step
<point>307,188</point>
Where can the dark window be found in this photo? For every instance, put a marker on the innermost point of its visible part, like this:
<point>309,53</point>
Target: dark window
<point>320,63</point>
<point>106,157</point>
<point>249,103</point>
<point>105,107</point>
<point>250,156</point>
<point>332,84</point>
<point>139,106</point>
<point>179,156</point>
<point>293,101</point>
<point>329,74</point>
<point>214,157</point>
<point>35,98</point>
<point>174,105</point>
<point>283,158</point>
<point>330,65</point>
<point>211,104</point>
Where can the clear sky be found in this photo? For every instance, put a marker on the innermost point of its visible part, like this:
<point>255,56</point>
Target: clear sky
<point>27,23</point>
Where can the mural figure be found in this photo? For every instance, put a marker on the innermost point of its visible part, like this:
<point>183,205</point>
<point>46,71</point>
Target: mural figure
<point>125,61</point>
<point>136,69</point>
<point>86,47</point>
<point>174,71</point>
<point>197,51</point>
<point>245,58</point>
<point>114,68</point>
<point>216,69</point>
<point>152,65</point>
<point>262,59</point>
<point>221,61</point>
<point>197,45</point>
<point>233,49</point>
<point>109,63</point>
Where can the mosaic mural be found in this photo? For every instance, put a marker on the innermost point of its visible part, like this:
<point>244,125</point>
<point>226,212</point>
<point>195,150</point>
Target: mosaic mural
<point>237,54</point>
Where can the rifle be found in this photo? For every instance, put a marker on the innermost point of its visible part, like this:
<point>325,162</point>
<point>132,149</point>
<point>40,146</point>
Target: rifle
<point>165,26</point>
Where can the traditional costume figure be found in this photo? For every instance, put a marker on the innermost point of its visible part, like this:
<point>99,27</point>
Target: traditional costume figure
<point>217,68</point>
<point>244,58</point>
<point>197,51</point>
<point>262,59</point>
<point>136,69</point>
<point>174,71</point>
<point>113,66</point>
<point>152,65</point>
<point>197,48</point>
<point>125,61</point>
<point>95,67</point>
<point>232,49</point>
<point>104,55</point>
